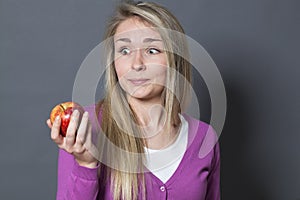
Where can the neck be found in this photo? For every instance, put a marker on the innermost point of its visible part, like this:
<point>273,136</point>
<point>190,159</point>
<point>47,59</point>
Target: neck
<point>152,119</point>
<point>148,112</point>
<point>162,139</point>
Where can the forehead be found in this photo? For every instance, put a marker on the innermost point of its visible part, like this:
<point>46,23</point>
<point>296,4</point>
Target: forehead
<point>134,27</point>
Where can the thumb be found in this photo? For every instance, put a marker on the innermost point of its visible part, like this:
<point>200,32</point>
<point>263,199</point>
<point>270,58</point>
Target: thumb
<point>48,122</point>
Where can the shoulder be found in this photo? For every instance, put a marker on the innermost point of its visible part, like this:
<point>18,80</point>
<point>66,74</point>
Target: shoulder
<point>202,137</point>
<point>91,109</point>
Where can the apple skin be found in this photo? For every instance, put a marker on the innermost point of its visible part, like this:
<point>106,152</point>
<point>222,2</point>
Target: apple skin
<point>65,110</point>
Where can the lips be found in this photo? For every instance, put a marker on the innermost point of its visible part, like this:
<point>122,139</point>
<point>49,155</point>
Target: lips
<point>138,82</point>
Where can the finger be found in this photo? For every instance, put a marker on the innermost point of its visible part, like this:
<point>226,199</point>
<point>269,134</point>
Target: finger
<point>71,131</point>
<point>48,122</point>
<point>55,130</point>
<point>89,141</point>
<point>88,145</point>
<point>82,130</point>
<point>88,138</point>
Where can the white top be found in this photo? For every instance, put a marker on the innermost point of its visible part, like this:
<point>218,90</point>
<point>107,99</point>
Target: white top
<point>164,162</point>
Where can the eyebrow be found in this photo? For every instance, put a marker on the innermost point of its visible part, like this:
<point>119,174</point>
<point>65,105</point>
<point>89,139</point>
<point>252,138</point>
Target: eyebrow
<point>123,40</point>
<point>149,40</point>
<point>146,40</point>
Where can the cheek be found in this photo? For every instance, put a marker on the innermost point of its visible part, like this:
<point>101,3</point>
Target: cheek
<point>160,75</point>
<point>120,70</point>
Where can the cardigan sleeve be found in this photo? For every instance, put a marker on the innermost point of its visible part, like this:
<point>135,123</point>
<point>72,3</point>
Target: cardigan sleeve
<point>75,182</point>
<point>213,183</point>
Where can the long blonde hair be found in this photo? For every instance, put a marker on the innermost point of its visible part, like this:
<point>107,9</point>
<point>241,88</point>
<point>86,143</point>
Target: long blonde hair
<point>127,183</point>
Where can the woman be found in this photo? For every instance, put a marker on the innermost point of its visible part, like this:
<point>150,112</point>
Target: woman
<point>141,114</point>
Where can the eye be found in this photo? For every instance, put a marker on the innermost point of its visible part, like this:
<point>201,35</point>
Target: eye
<point>124,51</point>
<point>153,51</point>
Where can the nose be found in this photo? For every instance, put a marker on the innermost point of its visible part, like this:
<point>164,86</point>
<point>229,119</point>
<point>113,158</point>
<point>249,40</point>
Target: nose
<point>138,61</point>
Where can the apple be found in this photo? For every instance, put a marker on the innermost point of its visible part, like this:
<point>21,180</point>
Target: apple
<point>65,110</point>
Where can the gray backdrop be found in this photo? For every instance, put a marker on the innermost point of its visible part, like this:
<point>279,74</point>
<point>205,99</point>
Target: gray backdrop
<point>255,45</point>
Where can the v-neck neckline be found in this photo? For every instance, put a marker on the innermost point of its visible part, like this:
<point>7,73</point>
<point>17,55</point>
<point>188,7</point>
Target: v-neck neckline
<point>174,175</point>
<point>192,132</point>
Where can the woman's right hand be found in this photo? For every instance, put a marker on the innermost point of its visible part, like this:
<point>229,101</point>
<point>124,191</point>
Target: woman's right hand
<point>78,134</point>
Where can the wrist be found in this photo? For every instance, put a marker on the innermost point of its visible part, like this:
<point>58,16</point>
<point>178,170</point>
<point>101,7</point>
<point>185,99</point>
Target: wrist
<point>87,164</point>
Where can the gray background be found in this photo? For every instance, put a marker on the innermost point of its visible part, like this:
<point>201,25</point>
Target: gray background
<point>255,45</point>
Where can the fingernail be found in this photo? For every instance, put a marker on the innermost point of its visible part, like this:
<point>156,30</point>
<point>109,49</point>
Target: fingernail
<point>57,118</point>
<point>75,113</point>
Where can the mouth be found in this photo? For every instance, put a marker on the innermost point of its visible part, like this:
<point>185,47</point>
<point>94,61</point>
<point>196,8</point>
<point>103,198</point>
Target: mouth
<point>138,82</point>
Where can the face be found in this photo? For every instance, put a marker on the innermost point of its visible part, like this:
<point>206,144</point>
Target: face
<point>140,59</point>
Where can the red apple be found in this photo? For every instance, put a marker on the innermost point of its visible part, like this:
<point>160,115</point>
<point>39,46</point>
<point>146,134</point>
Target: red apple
<point>65,110</point>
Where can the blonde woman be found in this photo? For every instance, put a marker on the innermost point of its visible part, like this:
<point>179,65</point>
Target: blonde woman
<point>147,81</point>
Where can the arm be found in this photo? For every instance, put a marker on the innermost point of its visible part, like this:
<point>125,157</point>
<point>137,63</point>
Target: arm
<point>213,183</point>
<point>77,168</point>
<point>75,182</point>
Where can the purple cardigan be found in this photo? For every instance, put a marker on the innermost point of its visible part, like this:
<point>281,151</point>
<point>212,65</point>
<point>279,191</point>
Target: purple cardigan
<point>196,178</point>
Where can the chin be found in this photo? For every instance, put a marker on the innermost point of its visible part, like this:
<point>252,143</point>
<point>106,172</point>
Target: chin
<point>145,92</point>
<point>141,96</point>
<point>146,95</point>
